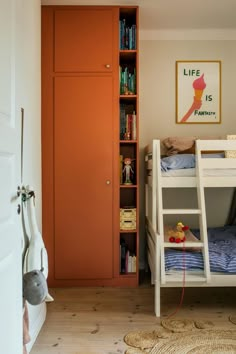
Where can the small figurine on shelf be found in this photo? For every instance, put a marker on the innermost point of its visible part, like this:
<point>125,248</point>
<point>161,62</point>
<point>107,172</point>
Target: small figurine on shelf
<point>127,170</point>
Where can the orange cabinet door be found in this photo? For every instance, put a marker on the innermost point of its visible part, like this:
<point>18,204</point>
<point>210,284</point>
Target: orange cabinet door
<point>83,40</point>
<point>83,181</point>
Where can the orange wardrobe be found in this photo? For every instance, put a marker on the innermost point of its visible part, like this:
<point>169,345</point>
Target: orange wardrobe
<point>80,146</point>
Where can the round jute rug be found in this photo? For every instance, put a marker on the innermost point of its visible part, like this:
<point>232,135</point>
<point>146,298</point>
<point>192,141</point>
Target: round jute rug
<point>145,339</point>
<point>201,324</point>
<point>198,342</point>
<point>178,325</point>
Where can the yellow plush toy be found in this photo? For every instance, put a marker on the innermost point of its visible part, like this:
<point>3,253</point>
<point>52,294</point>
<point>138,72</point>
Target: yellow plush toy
<point>178,234</point>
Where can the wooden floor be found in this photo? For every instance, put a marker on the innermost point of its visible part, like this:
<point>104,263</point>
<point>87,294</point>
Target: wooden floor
<point>95,320</point>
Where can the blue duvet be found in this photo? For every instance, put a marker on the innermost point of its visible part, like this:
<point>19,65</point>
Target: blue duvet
<point>180,161</point>
<point>222,252</point>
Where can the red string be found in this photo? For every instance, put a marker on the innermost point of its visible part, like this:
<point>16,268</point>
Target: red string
<point>183,287</point>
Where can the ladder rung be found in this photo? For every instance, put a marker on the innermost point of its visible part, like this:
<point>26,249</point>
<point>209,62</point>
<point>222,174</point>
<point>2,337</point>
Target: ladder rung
<point>181,211</point>
<point>188,278</point>
<point>183,245</point>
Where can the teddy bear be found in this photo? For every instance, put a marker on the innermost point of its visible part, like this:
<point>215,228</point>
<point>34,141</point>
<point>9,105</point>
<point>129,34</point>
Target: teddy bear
<point>178,234</point>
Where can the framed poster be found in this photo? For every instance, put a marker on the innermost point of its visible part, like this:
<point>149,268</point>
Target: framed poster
<point>198,92</point>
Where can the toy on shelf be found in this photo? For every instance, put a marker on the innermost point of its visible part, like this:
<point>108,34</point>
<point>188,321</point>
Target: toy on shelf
<point>127,170</point>
<point>178,234</point>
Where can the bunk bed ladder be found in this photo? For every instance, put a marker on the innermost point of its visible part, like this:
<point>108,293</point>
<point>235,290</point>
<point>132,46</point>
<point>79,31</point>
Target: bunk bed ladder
<point>159,223</point>
<point>157,228</point>
<point>161,212</point>
<point>202,216</point>
<point>161,245</point>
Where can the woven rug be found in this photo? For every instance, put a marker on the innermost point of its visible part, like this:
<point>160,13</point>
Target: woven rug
<point>182,337</point>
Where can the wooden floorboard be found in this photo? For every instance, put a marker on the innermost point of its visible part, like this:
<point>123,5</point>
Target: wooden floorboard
<point>95,320</point>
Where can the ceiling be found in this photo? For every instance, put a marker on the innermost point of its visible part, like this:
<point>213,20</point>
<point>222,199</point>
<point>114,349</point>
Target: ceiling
<point>173,14</point>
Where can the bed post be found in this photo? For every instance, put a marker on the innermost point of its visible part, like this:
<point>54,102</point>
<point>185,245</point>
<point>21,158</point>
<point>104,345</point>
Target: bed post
<point>156,223</point>
<point>154,185</point>
<point>158,278</point>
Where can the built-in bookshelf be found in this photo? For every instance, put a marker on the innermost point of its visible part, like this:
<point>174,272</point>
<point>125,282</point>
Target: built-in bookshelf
<point>109,256</point>
<point>129,147</point>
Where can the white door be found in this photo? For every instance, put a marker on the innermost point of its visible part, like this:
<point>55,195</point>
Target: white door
<point>10,220</point>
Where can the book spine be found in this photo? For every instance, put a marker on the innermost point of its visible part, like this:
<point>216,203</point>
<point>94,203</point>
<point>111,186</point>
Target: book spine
<point>122,122</point>
<point>121,169</point>
<point>134,37</point>
<point>134,84</point>
<point>128,126</point>
<point>122,81</point>
<point>120,34</point>
<point>134,264</point>
<point>126,38</point>
<point>134,127</point>
<point>130,258</point>
<point>126,73</point>
<point>130,38</point>
<point>126,261</point>
<point>122,256</point>
<point>123,34</point>
<point>129,82</point>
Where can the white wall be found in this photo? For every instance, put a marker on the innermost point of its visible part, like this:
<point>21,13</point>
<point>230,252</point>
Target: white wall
<point>157,86</point>
<point>157,102</point>
<point>29,92</point>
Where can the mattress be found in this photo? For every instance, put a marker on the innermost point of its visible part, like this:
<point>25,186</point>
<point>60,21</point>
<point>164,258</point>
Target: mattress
<point>222,253</point>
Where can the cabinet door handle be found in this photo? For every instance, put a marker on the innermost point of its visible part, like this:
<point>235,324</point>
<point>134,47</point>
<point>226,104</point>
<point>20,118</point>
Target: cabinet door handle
<point>108,182</point>
<point>107,66</point>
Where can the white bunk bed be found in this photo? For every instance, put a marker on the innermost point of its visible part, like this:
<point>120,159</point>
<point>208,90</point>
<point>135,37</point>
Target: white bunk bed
<point>208,172</point>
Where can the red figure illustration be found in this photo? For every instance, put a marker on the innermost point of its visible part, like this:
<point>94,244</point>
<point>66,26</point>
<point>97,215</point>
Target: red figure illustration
<point>199,86</point>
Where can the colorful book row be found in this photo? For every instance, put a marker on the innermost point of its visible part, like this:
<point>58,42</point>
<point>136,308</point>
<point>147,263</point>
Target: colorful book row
<point>128,128</point>
<point>127,81</point>
<point>127,36</point>
<point>127,261</point>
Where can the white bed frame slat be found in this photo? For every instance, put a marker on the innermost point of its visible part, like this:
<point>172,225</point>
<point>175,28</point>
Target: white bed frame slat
<point>218,163</point>
<point>181,211</point>
<point>217,145</point>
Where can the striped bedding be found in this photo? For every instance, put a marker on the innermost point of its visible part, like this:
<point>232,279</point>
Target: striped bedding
<point>222,252</point>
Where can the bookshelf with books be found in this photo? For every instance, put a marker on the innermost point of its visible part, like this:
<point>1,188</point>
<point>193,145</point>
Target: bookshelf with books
<point>128,144</point>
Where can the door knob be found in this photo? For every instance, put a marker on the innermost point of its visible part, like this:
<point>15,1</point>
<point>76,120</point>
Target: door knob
<point>107,66</point>
<point>108,182</point>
